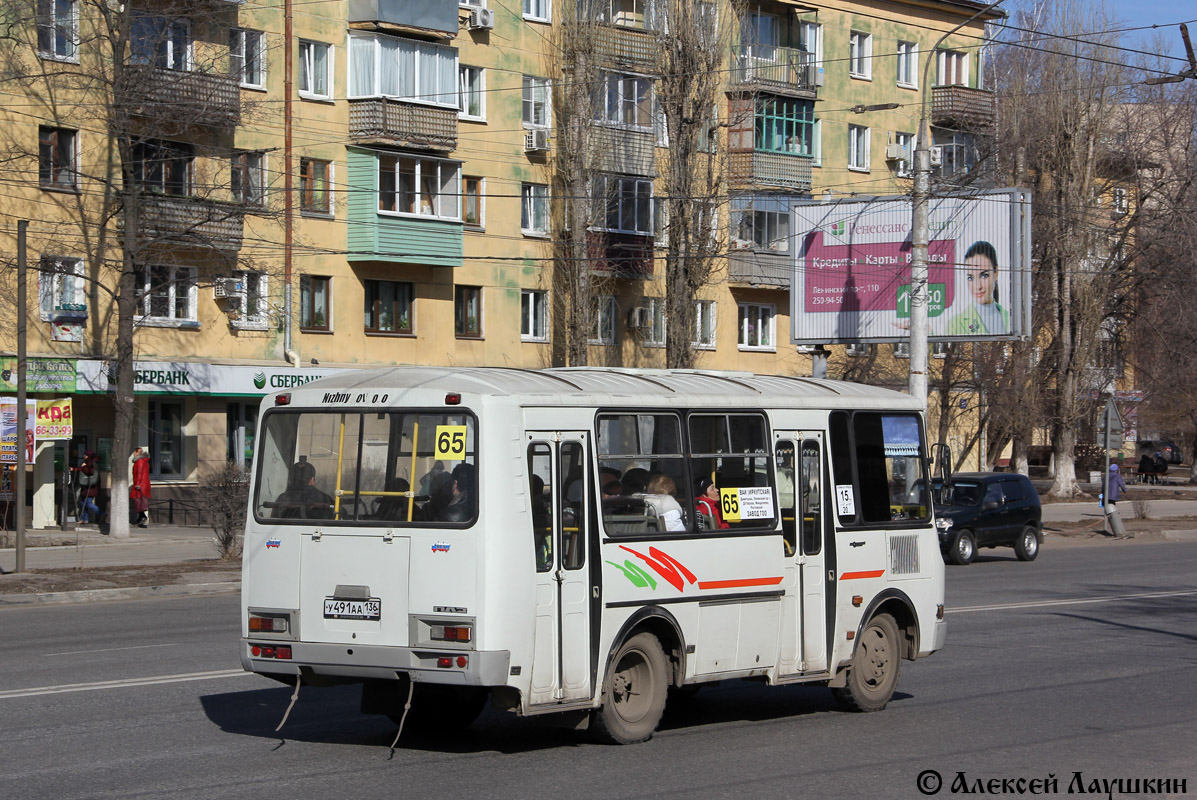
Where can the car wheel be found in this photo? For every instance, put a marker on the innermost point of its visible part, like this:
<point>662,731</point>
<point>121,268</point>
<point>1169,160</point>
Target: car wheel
<point>873,674</point>
<point>963,548</point>
<point>1027,546</point>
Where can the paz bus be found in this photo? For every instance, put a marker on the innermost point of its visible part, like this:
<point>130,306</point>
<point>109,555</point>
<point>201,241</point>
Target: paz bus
<point>534,536</point>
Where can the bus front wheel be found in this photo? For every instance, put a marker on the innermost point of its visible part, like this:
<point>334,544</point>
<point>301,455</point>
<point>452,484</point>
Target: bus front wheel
<point>873,673</point>
<point>633,693</point>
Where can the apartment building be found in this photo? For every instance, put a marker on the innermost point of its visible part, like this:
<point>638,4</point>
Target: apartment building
<point>308,187</point>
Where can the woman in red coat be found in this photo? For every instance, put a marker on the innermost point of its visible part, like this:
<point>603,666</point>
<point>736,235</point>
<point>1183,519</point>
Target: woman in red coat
<point>139,491</point>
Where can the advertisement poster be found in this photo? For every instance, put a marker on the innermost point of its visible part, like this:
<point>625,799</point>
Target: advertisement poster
<point>8,430</point>
<point>50,375</point>
<point>851,278</point>
<point>54,419</point>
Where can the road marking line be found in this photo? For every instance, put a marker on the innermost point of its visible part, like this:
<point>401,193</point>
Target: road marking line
<point>110,649</point>
<point>122,684</point>
<point>1073,602</point>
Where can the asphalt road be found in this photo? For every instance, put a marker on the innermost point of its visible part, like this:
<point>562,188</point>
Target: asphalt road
<point>1079,662</point>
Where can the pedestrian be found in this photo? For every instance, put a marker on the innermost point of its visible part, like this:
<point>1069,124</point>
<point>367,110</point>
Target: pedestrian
<point>139,489</point>
<point>1117,488</point>
<point>1161,468</point>
<point>89,488</point>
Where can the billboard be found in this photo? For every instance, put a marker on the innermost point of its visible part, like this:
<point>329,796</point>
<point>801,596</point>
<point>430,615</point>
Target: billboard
<point>9,437</point>
<point>851,268</point>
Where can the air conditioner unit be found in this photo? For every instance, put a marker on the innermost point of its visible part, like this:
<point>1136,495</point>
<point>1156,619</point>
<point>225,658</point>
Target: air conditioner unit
<point>896,152</point>
<point>639,318</point>
<point>482,19</point>
<point>536,141</point>
<point>937,156</point>
<point>225,288</point>
<point>813,75</point>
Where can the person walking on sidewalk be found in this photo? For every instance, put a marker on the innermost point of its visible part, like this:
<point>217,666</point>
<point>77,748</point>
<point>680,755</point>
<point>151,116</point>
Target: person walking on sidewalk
<point>89,483</point>
<point>139,490</point>
<point>1117,488</point>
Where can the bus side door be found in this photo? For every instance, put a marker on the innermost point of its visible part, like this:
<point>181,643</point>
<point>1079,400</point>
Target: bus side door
<point>560,515</point>
<point>800,464</point>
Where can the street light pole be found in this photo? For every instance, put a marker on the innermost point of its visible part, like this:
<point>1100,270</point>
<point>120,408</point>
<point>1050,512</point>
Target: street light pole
<point>920,229</point>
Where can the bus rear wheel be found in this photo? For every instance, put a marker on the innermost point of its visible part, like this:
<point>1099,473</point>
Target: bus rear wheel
<point>873,673</point>
<point>633,693</point>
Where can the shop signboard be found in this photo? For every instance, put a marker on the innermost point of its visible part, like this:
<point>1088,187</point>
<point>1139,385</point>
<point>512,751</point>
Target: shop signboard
<point>194,378</point>
<point>54,419</point>
<point>49,375</point>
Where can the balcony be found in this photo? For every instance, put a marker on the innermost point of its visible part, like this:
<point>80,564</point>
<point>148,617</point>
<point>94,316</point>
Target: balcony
<point>379,120</point>
<point>626,48</point>
<point>961,108</point>
<point>620,255</point>
<point>777,170</point>
<point>435,16</point>
<point>182,97</point>
<point>191,221</point>
<point>776,69</point>
<point>624,150</point>
<point>757,268</point>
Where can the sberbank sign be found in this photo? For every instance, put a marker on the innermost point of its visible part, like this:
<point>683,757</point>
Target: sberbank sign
<point>286,380</point>
<point>162,377</point>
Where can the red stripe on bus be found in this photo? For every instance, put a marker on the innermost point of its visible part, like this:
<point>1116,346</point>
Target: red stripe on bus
<point>871,573</point>
<point>737,584</point>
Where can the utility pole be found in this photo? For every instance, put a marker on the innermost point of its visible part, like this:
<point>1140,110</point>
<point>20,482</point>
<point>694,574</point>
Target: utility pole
<point>920,229</point>
<point>19,478</point>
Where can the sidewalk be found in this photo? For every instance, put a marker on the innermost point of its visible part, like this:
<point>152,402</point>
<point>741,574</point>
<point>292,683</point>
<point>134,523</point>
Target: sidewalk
<point>157,544</point>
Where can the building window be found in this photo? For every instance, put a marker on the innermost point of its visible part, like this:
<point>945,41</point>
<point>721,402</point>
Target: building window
<point>242,421</point>
<point>784,125</point>
<point>388,306</point>
<point>908,64</point>
<point>958,152</point>
<point>653,323</point>
<point>538,10</point>
<point>248,300</point>
<point>628,100</point>
<point>248,178</point>
<point>159,42</point>
<point>166,440</point>
<point>536,102</point>
<point>314,291</point>
<point>57,28</point>
<point>756,327</point>
<point>387,66</point>
<point>315,70</point>
<point>858,147</point>
<point>471,93</point>
<point>163,167</point>
<point>860,55</point>
<point>472,3</point>
<point>467,312</point>
<point>426,187</point>
<point>901,349</point>
<point>940,349</point>
<point>168,293</point>
<point>57,158</point>
<point>603,331</point>
<point>861,350</point>
<point>907,143</point>
<point>639,14</point>
<point>471,201</point>
<point>810,41</point>
<point>313,185</point>
<point>1121,205</point>
<point>534,209</point>
<point>247,57</point>
<point>534,316</point>
<point>60,284</point>
<point>704,325</point>
<point>761,223</point>
<point>628,201</point>
<point>951,68</point>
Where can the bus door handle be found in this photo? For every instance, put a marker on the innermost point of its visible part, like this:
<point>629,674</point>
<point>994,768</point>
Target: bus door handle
<point>559,575</point>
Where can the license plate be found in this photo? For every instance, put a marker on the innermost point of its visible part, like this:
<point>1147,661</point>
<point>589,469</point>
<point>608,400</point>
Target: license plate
<point>352,609</point>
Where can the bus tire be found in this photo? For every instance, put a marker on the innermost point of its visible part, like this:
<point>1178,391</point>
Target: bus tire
<point>439,709</point>
<point>962,548</point>
<point>633,692</point>
<point>1027,546</point>
<point>873,673</point>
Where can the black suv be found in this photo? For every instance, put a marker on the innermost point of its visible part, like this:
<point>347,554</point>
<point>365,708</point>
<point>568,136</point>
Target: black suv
<point>988,509</point>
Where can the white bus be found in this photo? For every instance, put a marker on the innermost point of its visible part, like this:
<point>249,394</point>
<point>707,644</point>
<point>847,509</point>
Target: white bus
<point>536,536</point>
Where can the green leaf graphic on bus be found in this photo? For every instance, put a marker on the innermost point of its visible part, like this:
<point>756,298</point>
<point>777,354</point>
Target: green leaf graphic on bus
<point>633,573</point>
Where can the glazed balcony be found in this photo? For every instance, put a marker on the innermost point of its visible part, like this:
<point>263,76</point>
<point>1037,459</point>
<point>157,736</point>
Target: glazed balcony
<point>787,70</point>
<point>962,108</point>
<point>182,97</point>
<point>380,120</point>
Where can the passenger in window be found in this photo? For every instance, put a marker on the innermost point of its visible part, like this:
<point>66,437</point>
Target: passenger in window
<point>658,497</point>
<point>706,501</point>
<point>612,489</point>
<point>440,493</point>
<point>608,474</point>
<point>461,506</point>
<point>302,500</point>
<point>635,481</point>
<point>393,508</point>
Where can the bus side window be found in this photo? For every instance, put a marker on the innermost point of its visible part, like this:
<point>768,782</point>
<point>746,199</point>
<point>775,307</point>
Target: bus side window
<point>811,494</point>
<point>540,476</point>
<point>572,508</point>
<point>785,495</point>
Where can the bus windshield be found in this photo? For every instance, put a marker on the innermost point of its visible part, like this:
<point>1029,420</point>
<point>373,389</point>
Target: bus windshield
<point>368,468</point>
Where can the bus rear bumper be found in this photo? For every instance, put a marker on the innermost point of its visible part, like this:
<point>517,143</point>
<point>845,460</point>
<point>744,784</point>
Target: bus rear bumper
<point>475,668</point>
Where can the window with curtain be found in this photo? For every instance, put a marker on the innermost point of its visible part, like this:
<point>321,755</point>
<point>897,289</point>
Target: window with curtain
<point>425,187</point>
<point>390,66</point>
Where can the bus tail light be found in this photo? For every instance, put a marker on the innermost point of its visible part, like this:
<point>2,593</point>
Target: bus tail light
<point>261,623</point>
<point>444,662</point>
<point>451,633</point>
<point>271,651</point>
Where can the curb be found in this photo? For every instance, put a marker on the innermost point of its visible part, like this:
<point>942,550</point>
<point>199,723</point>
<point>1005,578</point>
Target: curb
<point>127,593</point>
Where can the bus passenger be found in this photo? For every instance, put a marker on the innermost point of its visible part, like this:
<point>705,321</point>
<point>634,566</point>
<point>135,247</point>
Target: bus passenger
<point>460,508</point>
<point>302,500</point>
<point>660,500</point>
<point>706,500</point>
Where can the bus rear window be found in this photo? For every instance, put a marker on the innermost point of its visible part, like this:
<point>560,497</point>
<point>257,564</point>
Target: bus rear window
<point>369,468</point>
